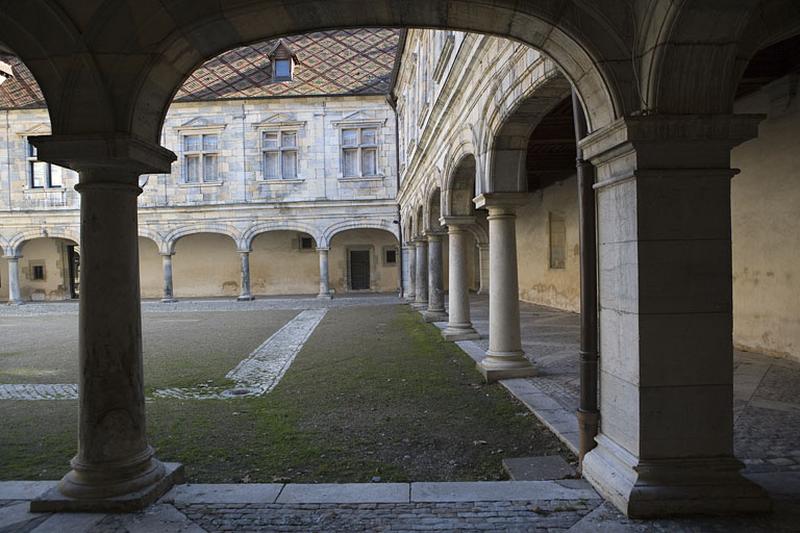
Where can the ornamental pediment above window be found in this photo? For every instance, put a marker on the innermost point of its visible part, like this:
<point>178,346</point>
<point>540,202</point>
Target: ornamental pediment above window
<point>361,119</point>
<point>202,124</point>
<point>280,121</point>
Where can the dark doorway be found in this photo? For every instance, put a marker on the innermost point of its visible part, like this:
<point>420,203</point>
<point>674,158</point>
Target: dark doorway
<point>359,270</point>
<point>74,263</point>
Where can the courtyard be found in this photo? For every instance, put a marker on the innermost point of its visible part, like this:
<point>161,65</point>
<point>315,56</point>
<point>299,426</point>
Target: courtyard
<point>373,394</point>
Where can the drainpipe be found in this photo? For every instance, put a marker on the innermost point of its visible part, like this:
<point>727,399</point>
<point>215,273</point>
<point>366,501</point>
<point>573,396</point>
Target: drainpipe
<point>588,412</point>
<point>392,100</point>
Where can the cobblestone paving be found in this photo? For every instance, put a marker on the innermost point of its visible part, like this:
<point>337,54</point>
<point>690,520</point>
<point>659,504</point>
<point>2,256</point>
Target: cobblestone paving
<point>766,389</point>
<point>39,391</point>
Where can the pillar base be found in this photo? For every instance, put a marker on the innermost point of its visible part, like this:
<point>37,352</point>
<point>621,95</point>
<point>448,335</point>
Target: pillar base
<point>434,316</point>
<point>53,501</point>
<point>18,302</point>
<point>466,333</point>
<point>420,305</point>
<point>168,300</point>
<point>668,487</point>
<point>325,296</point>
<point>505,365</point>
<point>247,298</point>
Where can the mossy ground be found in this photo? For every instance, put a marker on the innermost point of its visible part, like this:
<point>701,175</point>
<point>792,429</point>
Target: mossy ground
<point>374,392</point>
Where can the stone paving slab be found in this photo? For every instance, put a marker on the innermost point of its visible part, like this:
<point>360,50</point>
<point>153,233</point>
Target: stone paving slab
<point>69,523</point>
<point>224,493</point>
<point>345,493</point>
<point>542,468</point>
<point>24,490</point>
<point>489,491</point>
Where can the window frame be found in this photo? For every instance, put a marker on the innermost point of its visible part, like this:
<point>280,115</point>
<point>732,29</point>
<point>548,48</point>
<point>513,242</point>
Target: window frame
<point>32,159</point>
<point>280,150</point>
<point>289,62</point>
<point>386,250</point>
<point>360,148</point>
<point>201,155</point>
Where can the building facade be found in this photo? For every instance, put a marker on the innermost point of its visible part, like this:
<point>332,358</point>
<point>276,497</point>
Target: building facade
<point>280,186</point>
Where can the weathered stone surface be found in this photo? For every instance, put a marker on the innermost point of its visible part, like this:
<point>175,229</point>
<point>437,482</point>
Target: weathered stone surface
<point>538,468</point>
<point>344,493</point>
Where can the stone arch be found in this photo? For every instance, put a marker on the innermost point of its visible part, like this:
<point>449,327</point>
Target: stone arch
<point>459,189</point>
<point>14,245</point>
<point>4,246</point>
<point>511,117</point>
<point>433,209</point>
<point>339,227</point>
<point>479,233</point>
<point>160,49</point>
<point>172,238</point>
<point>246,241</point>
<point>147,233</point>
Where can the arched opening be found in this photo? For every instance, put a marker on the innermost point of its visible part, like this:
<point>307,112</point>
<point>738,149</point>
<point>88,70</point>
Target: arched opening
<point>151,273</point>
<point>206,265</point>
<point>284,262</point>
<point>49,270</point>
<point>364,260</point>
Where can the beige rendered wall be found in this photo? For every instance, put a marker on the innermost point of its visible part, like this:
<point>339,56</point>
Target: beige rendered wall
<point>205,264</point>
<point>53,254</point>
<point>278,266</point>
<point>383,278</point>
<point>150,270</point>
<point>538,283</point>
<point>765,202</point>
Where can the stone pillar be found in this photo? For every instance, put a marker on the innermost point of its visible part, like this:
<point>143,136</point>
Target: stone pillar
<point>421,284</point>
<point>504,358</point>
<point>483,266</point>
<point>244,294</point>
<point>14,295</point>
<point>436,311</point>
<point>666,372</point>
<point>459,327</point>
<point>411,269</point>
<point>324,289</point>
<point>166,263</point>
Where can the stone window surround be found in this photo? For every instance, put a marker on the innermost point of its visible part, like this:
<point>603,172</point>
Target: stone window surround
<point>285,126</point>
<point>360,125</point>
<point>206,129</point>
<point>388,248</point>
<point>32,265</point>
<point>31,159</point>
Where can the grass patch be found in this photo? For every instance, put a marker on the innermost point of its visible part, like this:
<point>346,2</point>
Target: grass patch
<point>374,392</point>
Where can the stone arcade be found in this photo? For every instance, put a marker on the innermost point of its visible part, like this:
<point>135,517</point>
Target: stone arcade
<point>667,101</point>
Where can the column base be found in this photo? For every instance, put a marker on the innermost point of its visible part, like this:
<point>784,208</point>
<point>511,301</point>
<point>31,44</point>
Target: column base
<point>668,487</point>
<point>247,298</point>
<point>168,300</point>
<point>434,316</point>
<point>505,365</point>
<point>18,302</point>
<point>460,333</point>
<point>325,296</point>
<point>53,501</point>
<point>420,305</point>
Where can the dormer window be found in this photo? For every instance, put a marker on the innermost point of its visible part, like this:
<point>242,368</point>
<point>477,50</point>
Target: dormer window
<point>283,62</point>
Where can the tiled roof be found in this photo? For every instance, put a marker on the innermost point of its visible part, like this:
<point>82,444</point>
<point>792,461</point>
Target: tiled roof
<point>341,62</point>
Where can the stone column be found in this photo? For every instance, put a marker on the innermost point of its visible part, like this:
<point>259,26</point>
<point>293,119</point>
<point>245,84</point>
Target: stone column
<point>244,294</point>
<point>435,311</point>
<point>459,327</point>
<point>411,269</point>
<point>421,284</point>
<point>166,263</point>
<point>324,289</point>
<point>666,369</point>
<point>483,268</point>
<point>115,468</point>
<point>14,296</point>
<point>504,358</point>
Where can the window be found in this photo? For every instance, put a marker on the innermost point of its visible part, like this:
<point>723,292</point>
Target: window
<point>280,154</point>
<point>37,271</point>
<point>282,69</point>
<point>306,243</point>
<point>43,175</point>
<point>359,152</point>
<point>390,256</point>
<point>558,241</point>
<point>201,158</point>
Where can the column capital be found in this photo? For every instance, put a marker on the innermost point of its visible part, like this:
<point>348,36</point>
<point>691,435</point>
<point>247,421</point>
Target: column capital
<point>166,254</point>
<point>432,235</point>
<point>12,257</point>
<point>115,156</point>
<point>323,249</point>
<point>510,200</point>
<point>672,141</point>
<point>245,251</point>
<point>453,220</point>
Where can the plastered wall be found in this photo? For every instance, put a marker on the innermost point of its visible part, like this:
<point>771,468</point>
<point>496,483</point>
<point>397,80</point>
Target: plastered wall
<point>765,201</point>
<point>52,253</point>
<point>205,264</point>
<point>383,278</point>
<point>538,283</point>
<point>278,266</point>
